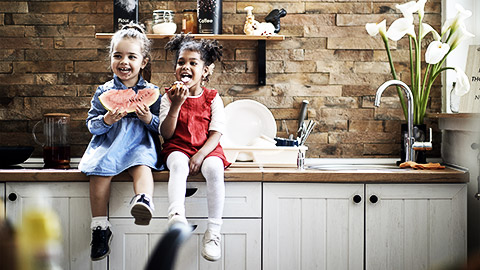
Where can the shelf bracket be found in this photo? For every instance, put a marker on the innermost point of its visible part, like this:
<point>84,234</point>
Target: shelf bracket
<point>261,62</point>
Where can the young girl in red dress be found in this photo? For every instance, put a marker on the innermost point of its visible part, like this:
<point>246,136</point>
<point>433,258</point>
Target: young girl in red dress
<point>192,120</point>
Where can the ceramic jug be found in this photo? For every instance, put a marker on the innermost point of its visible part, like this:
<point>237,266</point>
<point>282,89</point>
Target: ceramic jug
<point>56,147</point>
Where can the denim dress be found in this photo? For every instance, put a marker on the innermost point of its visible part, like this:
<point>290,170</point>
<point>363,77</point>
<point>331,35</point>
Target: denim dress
<point>126,143</point>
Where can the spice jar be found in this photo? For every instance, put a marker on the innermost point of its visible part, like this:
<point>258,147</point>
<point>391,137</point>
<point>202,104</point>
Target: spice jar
<point>189,21</point>
<point>163,22</point>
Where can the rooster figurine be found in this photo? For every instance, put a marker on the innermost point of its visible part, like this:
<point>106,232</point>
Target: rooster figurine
<point>270,27</point>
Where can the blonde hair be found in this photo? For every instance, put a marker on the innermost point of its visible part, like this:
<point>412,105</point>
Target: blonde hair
<point>133,31</point>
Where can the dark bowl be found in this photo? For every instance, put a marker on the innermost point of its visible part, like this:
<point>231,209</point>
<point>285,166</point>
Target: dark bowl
<point>12,155</point>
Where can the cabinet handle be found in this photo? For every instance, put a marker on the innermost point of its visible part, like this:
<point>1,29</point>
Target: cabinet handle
<point>190,191</point>
<point>357,198</point>
<point>12,197</point>
<point>373,199</point>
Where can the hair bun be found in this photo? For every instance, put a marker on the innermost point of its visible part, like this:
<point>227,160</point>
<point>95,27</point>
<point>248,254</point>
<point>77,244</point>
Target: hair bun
<point>134,26</point>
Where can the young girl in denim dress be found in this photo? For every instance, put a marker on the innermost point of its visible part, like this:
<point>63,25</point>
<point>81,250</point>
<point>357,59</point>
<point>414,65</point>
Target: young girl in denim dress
<point>122,141</point>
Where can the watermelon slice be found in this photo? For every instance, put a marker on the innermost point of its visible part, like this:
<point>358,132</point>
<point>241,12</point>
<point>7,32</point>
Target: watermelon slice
<point>127,100</point>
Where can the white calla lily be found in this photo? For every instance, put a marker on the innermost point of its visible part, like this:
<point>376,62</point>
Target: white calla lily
<point>453,23</point>
<point>453,33</point>
<point>427,29</point>
<point>407,9</point>
<point>462,85</point>
<point>421,7</point>
<point>436,51</point>
<point>459,35</point>
<point>400,28</point>
<point>374,28</point>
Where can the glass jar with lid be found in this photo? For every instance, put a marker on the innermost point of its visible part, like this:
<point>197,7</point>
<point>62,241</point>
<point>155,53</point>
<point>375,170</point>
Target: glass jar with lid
<point>163,22</point>
<point>189,21</point>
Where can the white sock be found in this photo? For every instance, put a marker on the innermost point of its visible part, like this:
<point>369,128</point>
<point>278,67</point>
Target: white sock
<point>177,163</point>
<point>214,225</point>
<point>101,221</point>
<point>213,171</point>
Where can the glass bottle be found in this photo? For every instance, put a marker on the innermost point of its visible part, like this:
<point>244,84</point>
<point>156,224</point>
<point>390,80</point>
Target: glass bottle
<point>189,21</point>
<point>454,100</point>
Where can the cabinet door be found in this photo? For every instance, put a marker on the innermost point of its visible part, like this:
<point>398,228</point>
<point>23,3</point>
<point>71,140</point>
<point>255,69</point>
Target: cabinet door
<point>415,226</point>
<point>2,198</point>
<point>313,226</point>
<point>72,204</point>
<point>132,244</point>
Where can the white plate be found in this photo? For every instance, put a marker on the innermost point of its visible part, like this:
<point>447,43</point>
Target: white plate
<point>247,120</point>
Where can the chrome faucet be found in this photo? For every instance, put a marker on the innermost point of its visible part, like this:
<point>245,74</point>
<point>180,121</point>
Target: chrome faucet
<point>408,142</point>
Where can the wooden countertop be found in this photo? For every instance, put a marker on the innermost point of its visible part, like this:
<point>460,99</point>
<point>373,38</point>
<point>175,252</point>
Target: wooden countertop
<point>448,175</point>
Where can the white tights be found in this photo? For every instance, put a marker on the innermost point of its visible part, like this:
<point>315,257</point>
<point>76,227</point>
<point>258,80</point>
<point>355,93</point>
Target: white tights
<point>213,171</point>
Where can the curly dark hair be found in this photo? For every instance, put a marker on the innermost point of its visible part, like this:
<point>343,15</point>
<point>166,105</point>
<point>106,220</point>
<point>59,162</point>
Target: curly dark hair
<point>209,50</point>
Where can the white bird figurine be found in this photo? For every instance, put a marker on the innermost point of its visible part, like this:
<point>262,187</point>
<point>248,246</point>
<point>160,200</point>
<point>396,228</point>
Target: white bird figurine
<point>271,27</point>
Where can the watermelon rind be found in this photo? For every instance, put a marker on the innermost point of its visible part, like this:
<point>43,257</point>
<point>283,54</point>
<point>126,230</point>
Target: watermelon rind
<point>127,100</point>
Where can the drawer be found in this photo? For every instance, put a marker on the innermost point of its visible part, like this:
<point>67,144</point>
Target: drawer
<point>242,199</point>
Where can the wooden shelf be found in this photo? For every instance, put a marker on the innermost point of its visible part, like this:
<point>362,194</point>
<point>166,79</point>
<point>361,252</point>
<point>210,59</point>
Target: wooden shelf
<point>452,115</point>
<point>261,49</point>
<point>205,36</point>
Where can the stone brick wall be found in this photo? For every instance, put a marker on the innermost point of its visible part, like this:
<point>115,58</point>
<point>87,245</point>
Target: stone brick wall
<point>50,61</point>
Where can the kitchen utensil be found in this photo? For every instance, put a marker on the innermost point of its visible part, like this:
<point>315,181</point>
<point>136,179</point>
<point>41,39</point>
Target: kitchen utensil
<point>301,117</point>
<point>308,130</point>
<point>247,120</point>
<point>56,148</point>
<point>286,142</point>
<point>12,155</point>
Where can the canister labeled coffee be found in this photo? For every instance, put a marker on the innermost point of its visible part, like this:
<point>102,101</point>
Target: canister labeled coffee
<point>209,16</point>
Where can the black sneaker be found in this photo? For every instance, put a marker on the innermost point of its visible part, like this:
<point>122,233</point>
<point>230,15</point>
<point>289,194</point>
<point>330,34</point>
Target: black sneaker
<point>141,209</point>
<point>100,243</point>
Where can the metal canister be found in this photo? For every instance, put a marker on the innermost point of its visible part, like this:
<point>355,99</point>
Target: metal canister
<point>209,16</point>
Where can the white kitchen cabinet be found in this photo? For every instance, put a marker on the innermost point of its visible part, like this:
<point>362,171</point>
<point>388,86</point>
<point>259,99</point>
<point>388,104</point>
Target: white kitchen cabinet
<point>241,231</point>
<point>241,245</point>
<point>407,226</point>
<point>72,204</point>
<point>2,198</point>
<point>416,226</point>
<point>313,226</point>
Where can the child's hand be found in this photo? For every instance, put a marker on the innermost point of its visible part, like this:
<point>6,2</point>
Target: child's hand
<point>143,113</point>
<point>195,163</point>
<point>112,117</point>
<point>178,94</point>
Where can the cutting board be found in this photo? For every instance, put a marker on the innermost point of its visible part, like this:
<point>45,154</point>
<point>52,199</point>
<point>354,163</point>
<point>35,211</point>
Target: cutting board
<point>470,102</point>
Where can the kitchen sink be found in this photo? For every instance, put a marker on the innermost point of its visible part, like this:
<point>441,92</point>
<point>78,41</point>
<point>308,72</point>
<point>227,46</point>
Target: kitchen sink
<point>355,167</point>
<point>352,164</point>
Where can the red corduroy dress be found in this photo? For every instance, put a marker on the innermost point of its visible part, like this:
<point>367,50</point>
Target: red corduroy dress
<point>191,131</point>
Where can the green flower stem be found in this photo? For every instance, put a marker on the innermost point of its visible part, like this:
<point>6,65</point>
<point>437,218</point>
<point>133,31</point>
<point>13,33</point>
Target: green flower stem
<point>394,74</point>
<point>417,87</point>
<point>412,77</point>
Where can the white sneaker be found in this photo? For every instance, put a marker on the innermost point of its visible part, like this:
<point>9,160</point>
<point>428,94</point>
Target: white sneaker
<point>176,218</point>
<point>141,209</point>
<point>211,250</point>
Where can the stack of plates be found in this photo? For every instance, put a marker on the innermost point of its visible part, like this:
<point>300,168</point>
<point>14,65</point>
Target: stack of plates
<point>249,137</point>
<point>247,120</point>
